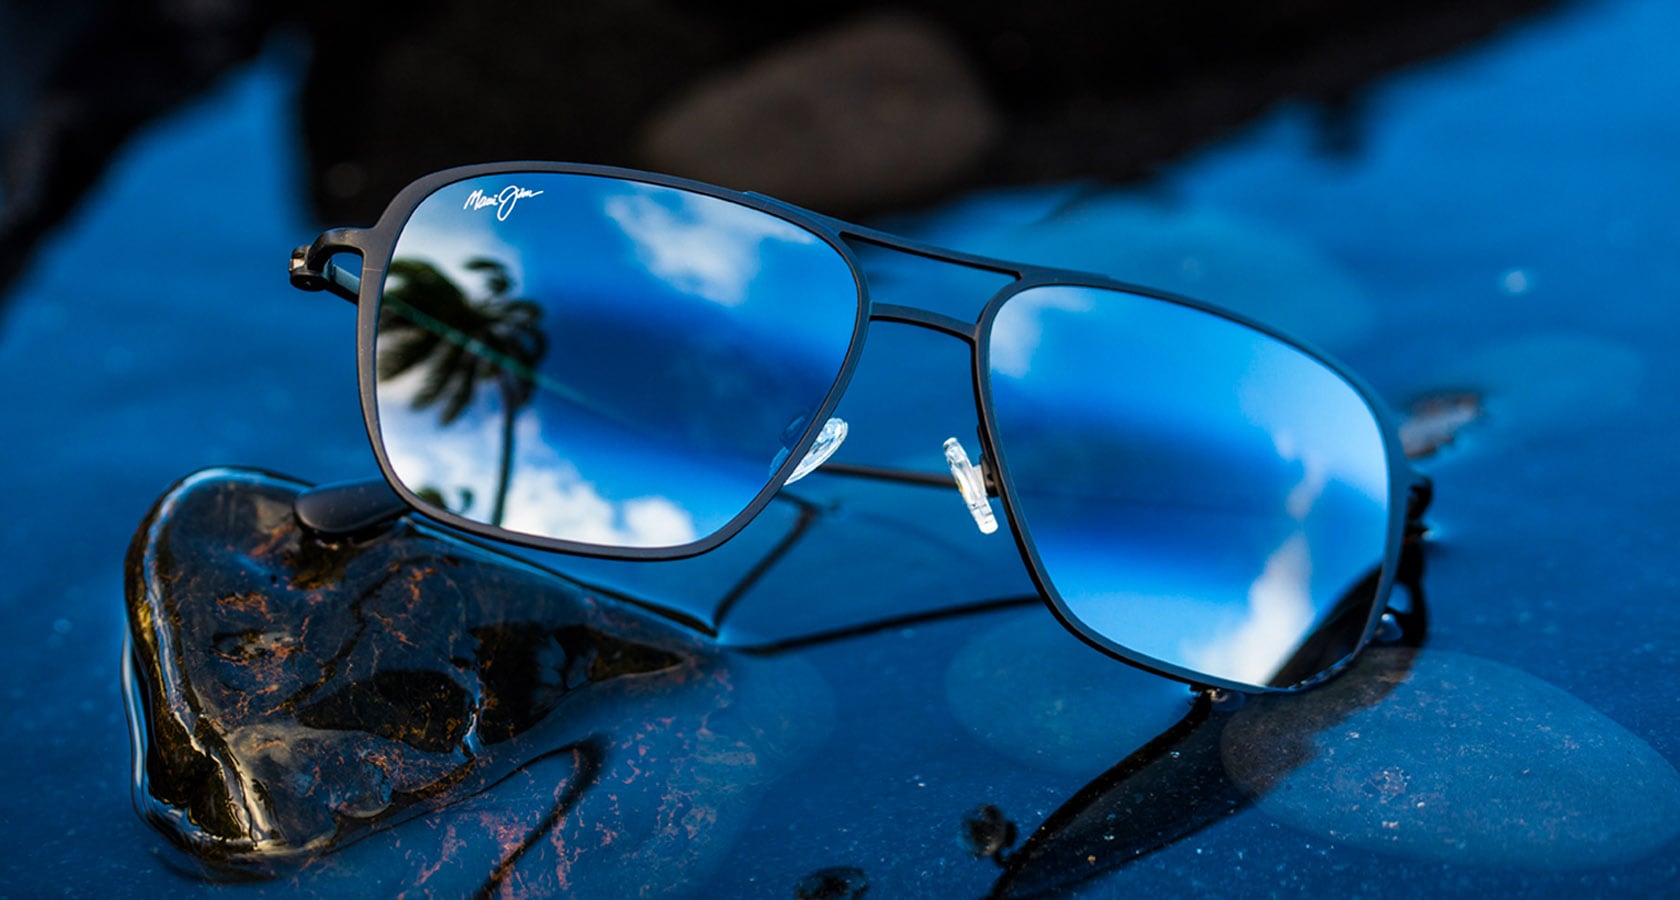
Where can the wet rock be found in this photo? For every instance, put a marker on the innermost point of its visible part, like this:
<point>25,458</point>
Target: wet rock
<point>1463,760</point>
<point>886,108</point>
<point>987,832</point>
<point>837,883</point>
<point>290,697</point>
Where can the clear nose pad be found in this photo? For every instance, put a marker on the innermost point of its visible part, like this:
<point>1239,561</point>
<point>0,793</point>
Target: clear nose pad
<point>971,481</point>
<point>833,434</point>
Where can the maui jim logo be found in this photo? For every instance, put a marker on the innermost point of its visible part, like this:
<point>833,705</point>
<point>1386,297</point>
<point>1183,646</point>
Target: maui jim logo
<point>503,201</point>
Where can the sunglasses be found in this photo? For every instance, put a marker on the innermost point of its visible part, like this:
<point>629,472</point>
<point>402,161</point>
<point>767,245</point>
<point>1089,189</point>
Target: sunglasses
<point>619,364</point>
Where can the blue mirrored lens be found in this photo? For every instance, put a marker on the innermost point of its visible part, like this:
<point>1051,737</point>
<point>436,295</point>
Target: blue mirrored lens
<point>600,360</point>
<point>1200,494</point>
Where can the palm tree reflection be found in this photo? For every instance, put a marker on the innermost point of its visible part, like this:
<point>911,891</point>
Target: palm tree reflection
<point>427,323</point>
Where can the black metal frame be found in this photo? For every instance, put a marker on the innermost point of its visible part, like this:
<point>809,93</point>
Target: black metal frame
<point>313,268</point>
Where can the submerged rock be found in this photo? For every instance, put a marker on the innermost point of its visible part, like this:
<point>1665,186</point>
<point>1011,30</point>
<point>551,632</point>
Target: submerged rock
<point>1444,756</point>
<point>289,697</point>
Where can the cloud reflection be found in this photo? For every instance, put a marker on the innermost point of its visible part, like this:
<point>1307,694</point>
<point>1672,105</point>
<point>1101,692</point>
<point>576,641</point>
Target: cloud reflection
<point>547,495</point>
<point>1279,611</point>
<point>1017,330</point>
<point>700,245</point>
<point>1280,607</point>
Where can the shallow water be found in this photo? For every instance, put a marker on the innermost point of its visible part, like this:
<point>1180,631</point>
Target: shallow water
<point>1505,225</point>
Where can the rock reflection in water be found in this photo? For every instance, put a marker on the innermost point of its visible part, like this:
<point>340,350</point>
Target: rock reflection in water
<point>289,697</point>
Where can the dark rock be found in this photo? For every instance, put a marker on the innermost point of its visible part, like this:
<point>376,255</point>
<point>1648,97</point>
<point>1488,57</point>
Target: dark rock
<point>289,697</point>
<point>987,832</point>
<point>885,108</point>
<point>837,883</point>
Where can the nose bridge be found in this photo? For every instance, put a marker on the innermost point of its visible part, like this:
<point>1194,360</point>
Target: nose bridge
<point>929,290</point>
<point>925,287</point>
<point>913,395</point>
<point>925,318</point>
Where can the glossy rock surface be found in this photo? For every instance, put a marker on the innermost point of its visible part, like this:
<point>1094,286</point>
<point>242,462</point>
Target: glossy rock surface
<point>291,695</point>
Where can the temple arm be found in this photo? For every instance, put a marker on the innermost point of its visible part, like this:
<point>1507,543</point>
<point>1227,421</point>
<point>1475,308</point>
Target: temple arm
<point>346,508</point>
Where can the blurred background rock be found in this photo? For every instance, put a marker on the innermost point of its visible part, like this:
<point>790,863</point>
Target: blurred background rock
<point>847,108</point>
